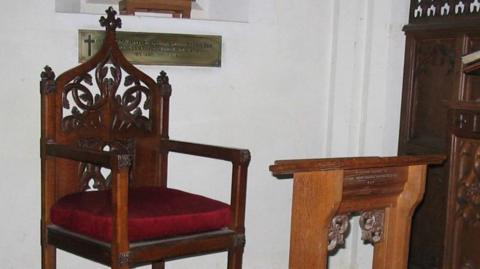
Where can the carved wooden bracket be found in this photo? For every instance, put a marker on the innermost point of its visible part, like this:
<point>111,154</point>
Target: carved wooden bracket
<point>372,224</point>
<point>338,228</point>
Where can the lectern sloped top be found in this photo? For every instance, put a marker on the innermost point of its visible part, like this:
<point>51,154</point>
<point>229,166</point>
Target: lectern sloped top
<point>288,167</point>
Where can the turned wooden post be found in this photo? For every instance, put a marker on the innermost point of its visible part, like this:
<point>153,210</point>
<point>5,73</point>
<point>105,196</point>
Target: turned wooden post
<point>385,191</point>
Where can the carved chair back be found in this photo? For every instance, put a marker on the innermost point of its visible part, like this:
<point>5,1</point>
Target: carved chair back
<point>106,104</point>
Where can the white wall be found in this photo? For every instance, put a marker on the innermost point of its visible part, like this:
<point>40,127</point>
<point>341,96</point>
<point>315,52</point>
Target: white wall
<point>364,92</point>
<point>216,10</point>
<point>301,79</point>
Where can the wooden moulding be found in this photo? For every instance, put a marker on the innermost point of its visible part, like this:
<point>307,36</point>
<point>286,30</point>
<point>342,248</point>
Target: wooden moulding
<point>289,167</point>
<point>141,253</point>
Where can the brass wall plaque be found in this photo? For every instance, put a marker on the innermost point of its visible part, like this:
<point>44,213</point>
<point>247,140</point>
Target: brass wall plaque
<point>156,48</point>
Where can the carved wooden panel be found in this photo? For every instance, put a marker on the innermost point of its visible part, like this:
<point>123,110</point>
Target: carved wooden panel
<point>434,59</point>
<point>465,206</point>
<point>114,100</point>
<point>438,34</point>
<point>94,177</point>
<point>468,181</point>
<point>430,81</point>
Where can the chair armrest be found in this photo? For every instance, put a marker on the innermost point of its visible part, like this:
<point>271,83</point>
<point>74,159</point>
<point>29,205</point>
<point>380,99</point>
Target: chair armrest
<point>103,158</point>
<point>240,159</point>
<point>236,156</point>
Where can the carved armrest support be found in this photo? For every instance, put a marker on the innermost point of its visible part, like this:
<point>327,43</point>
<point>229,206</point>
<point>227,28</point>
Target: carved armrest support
<point>106,159</point>
<point>236,156</point>
<point>240,159</point>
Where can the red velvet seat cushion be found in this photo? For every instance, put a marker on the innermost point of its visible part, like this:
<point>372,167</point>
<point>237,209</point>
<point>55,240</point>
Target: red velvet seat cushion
<point>153,212</point>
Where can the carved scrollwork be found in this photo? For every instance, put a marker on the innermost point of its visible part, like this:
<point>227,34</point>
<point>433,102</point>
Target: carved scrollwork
<point>95,177</point>
<point>130,105</point>
<point>468,185</point>
<point>128,111</point>
<point>338,228</point>
<point>84,113</point>
<point>372,223</point>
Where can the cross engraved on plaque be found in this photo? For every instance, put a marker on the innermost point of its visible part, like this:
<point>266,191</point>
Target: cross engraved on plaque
<point>89,41</point>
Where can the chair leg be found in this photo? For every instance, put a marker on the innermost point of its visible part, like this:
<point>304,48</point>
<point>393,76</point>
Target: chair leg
<point>235,258</point>
<point>49,256</point>
<point>158,265</point>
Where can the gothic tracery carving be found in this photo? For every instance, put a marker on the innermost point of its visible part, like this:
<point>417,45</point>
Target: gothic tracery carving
<point>85,105</point>
<point>372,223</point>
<point>337,230</point>
<point>444,8</point>
<point>94,177</point>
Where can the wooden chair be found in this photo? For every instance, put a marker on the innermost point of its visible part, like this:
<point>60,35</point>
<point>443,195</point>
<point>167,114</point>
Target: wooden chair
<point>104,114</point>
<point>385,191</point>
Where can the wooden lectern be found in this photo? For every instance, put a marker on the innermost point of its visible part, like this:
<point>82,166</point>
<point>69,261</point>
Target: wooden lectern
<point>385,191</point>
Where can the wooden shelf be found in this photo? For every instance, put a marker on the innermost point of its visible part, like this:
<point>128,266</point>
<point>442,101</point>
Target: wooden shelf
<point>178,8</point>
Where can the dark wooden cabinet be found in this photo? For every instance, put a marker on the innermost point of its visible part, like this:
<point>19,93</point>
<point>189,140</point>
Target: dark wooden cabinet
<point>433,79</point>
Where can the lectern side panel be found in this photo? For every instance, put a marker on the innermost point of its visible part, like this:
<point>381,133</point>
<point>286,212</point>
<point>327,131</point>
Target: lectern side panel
<point>316,198</point>
<point>392,252</point>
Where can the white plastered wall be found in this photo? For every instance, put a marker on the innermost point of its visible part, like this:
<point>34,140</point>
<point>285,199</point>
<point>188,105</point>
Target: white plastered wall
<point>301,79</point>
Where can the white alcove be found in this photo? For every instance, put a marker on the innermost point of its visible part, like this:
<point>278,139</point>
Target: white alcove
<point>218,10</point>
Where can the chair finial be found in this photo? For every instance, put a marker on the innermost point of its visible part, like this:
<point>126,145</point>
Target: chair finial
<point>162,78</point>
<point>47,74</point>
<point>111,23</point>
<point>47,84</point>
